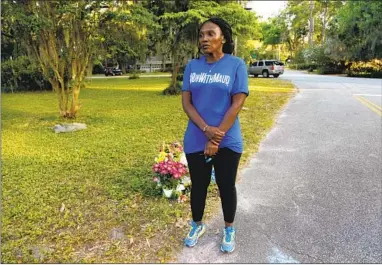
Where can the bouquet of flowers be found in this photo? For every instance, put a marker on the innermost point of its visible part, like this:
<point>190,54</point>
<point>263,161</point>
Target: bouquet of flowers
<point>169,173</point>
<point>170,169</point>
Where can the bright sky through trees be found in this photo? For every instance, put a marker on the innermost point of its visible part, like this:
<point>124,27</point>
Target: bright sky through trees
<point>266,9</point>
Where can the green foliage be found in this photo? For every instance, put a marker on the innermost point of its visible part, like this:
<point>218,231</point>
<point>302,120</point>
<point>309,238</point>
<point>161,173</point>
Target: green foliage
<point>98,69</point>
<point>371,69</point>
<point>175,89</point>
<point>271,32</point>
<point>134,76</point>
<point>315,55</point>
<point>22,74</point>
<point>357,29</point>
<point>124,33</point>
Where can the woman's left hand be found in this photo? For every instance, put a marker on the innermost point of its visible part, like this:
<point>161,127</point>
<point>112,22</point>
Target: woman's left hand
<point>211,149</point>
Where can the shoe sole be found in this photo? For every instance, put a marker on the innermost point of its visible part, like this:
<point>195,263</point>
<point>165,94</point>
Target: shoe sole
<point>226,251</point>
<point>196,241</point>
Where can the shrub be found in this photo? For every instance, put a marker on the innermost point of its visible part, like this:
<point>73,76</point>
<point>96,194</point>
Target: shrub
<point>173,89</point>
<point>371,69</point>
<point>179,77</point>
<point>22,74</point>
<point>134,71</point>
<point>331,68</point>
<point>134,76</point>
<point>98,69</point>
<point>302,66</point>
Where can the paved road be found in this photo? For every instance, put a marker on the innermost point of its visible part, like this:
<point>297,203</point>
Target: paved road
<point>312,194</point>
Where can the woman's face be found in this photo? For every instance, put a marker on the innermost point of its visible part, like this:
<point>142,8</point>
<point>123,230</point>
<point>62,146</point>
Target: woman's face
<point>211,38</point>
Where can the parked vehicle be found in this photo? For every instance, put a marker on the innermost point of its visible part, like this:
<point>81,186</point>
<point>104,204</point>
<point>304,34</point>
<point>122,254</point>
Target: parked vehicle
<point>112,71</point>
<point>266,68</point>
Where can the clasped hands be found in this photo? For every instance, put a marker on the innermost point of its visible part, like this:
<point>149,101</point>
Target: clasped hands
<point>214,136</point>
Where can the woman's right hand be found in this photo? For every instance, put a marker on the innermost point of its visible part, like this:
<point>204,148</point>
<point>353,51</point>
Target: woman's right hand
<point>214,134</point>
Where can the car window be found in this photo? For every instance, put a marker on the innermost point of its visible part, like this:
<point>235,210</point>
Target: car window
<point>261,63</point>
<point>268,63</point>
<point>254,64</point>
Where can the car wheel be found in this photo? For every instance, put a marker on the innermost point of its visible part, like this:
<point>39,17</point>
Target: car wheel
<point>265,74</point>
<point>255,75</point>
<point>276,75</point>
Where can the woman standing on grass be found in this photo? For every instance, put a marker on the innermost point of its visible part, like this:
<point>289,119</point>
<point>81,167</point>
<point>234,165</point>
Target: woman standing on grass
<point>215,87</point>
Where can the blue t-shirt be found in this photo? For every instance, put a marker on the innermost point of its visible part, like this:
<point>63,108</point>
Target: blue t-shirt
<point>212,86</point>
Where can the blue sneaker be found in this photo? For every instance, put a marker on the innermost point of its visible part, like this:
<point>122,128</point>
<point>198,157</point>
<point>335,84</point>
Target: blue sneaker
<point>195,232</point>
<point>228,242</point>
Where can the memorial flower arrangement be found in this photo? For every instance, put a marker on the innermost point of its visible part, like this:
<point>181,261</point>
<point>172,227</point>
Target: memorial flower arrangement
<point>170,171</point>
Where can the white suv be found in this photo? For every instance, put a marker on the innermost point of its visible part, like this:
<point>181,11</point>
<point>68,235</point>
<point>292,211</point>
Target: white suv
<point>266,68</point>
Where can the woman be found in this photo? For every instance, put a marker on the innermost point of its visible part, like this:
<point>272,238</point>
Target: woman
<point>215,87</point>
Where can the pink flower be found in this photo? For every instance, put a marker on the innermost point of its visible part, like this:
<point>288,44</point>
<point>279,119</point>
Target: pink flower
<point>155,179</point>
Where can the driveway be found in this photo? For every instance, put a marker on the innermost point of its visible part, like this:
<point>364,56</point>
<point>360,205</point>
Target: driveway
<point>312,194</point>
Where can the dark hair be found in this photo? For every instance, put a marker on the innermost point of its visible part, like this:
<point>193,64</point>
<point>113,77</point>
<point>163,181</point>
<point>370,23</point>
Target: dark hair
<point>228,46</point>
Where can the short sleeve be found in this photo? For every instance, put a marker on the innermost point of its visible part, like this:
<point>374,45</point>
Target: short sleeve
<point>186,78</point>
<point>241,80</point>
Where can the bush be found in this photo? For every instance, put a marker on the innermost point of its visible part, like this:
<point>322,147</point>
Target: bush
<point>98,69</point>
<point>331,68</point>
<point>173,90</point>
<point>134,76</point>
<point>302,66</point>
<point>134,71</point>
<point>372,69</point>
<point>22,74</point>
<point>179,77</point>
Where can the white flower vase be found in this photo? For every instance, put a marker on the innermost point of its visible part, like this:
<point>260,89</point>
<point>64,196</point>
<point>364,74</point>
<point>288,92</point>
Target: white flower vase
<point>186,181</point>
<point>180,187</point>
<point>167,193</point>
<point>183,159</point>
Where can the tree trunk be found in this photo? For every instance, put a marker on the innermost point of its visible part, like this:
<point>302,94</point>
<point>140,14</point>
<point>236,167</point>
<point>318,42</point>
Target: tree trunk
<point>175,69</point>
<point>163,62</point>
<point>173,89</point>
<point>75,106</point>
<point>324,24</point>
<point>311,23</point>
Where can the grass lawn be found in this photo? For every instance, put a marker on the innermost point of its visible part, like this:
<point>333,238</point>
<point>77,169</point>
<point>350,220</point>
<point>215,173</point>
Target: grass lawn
<point>145,74</point>
<point>88,196</point>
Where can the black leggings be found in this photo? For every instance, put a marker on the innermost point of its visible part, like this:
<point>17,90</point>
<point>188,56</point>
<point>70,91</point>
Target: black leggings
<point>225,163</point>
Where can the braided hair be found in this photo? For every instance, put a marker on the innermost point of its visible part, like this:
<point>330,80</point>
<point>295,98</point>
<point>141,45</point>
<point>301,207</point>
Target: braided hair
<point>228,46</point>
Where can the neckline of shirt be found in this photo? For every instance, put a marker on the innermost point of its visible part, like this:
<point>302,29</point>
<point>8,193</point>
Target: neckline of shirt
<point>213,63</point>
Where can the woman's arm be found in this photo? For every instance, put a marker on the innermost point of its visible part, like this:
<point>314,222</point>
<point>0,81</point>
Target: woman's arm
<point>232,112</point>
<point>189,109</point>
<point>228,120</point>
<point>238,94</point>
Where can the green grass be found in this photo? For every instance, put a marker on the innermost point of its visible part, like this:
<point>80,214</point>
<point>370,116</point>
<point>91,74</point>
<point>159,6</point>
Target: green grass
<point>146,74</point>
<point>88,196</point>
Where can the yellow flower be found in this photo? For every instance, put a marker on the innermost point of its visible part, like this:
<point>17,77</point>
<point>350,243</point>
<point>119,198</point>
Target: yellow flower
<point>161,157</point>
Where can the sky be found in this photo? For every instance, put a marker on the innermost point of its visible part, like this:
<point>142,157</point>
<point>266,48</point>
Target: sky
<point>266,8</point>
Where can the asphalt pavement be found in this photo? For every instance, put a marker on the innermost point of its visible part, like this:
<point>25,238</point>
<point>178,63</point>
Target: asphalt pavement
<point>313,192</point>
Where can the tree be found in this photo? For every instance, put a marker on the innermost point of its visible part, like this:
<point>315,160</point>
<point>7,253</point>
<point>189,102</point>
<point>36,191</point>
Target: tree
<point>356,31</point>
<point>183,30</point>
<point>59,35</point>
<point>125,33</point>
<point>64,37</point>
